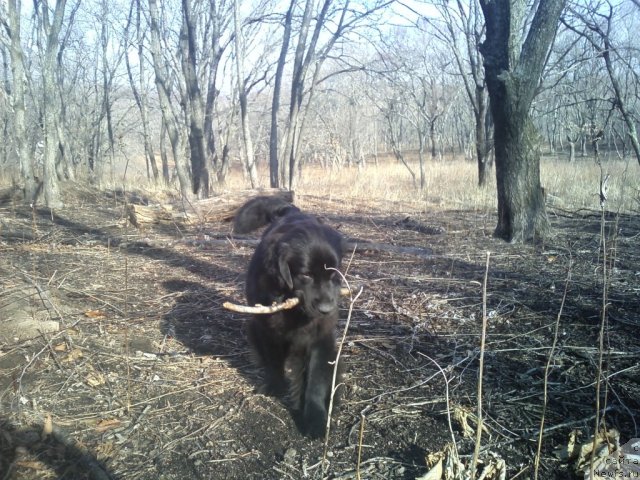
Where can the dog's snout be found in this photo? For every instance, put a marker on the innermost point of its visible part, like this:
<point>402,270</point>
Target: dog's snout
<point>325,306</point>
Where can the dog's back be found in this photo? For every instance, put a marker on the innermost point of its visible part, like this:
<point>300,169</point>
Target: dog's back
<point>261,211</point>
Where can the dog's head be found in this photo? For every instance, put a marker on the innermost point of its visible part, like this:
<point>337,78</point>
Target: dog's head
<point>308,268</point>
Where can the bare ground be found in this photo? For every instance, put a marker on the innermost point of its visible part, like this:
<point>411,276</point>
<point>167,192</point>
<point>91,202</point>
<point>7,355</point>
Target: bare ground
<point>149,378</point>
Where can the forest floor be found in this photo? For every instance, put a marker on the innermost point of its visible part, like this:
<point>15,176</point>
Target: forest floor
<point>148,377</point>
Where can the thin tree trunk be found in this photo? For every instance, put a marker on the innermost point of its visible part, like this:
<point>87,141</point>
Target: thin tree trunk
<point>140,95</point>
<point>199,169</point>
<point>106,98</point>
<point>249,154</point>
<point>274,139</point>
<point>297,83</point>
<point>481,142</point>
<point>51,32</point>
<point>17,99</point>
<point>170,118</point>
<point>164,156</point>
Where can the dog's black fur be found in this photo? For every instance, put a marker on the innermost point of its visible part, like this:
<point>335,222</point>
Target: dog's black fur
<point>294,259</point>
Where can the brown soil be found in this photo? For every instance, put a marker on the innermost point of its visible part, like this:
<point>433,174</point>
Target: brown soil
<point>149,378</point>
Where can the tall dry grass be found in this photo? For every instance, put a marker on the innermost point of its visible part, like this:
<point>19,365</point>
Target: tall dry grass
<point>452,184</point>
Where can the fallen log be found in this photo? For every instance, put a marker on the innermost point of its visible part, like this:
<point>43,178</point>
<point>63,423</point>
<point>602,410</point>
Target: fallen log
<point>221,208</point>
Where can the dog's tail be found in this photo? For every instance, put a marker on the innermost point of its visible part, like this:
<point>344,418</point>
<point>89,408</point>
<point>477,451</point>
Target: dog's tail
<point>260,211</point>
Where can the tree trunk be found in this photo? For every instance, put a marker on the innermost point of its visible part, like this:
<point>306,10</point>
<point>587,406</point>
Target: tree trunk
<point>482,150</point>
<point>140,95</point>
<point>17,99</point>
<point>432,137</point>
<point>423,176</point>
<point>164,156</point>
<point>170,118</point>
<point>106,95</point>
<point>274,161</point>
<point>249,154</point>
<point>199,170</point>
<point>50,31</point>
<point>572,151</point>
<point>513,74</point>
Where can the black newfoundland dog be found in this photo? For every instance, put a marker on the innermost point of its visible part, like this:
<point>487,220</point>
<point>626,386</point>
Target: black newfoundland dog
<point>296,347</point>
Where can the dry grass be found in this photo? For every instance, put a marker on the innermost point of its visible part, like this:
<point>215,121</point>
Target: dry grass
<point>452,185</point>
<point>577,186</point>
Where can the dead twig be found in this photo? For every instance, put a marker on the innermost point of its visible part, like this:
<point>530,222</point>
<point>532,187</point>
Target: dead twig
<point>476,451</point>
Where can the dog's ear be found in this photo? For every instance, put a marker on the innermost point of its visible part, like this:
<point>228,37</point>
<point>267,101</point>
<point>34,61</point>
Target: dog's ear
<point>283,265</point>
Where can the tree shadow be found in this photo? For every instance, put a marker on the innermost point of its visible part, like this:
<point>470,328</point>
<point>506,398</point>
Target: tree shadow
<point>70,461</point>
<point>198,321</point>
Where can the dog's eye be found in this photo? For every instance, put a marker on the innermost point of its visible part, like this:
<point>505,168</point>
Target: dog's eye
<point>306,278</point>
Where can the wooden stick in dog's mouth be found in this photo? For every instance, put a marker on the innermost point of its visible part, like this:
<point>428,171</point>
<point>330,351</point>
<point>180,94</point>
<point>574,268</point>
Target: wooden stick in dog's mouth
<point>262,309</point>
<point>288,304</point>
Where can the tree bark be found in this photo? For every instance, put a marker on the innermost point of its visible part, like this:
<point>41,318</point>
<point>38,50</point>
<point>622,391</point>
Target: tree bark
<point>513,71</point>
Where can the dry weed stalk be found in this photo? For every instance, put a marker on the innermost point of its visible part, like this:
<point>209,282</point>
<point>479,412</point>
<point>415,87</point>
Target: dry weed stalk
<point>603,314</point>
<point>360,440</point>
<point>334,387</point>
<point>126,309</point>
<point>476,450</point>
<point>545,401</point>
<point>454,445</point>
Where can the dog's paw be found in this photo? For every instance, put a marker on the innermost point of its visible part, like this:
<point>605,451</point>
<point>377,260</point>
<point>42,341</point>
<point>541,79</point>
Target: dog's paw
<point>314,420</point>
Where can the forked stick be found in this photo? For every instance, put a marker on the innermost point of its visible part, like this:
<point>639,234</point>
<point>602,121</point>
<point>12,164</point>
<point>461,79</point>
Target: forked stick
<point>288,304</point>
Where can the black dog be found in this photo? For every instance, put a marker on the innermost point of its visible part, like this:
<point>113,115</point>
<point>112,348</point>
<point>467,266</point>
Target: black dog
<point>296,347</point>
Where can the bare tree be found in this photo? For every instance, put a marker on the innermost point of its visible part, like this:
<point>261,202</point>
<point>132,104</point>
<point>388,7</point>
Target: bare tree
<point>248,150</point>
<point>195,107</point>
<point>170,116</point>
<point>274,138</point>
<point>217,38</point>
<point>322,26</point>
<point>12,27</point>
<point>597,29</point>
<point>139,90</point>
<point>465,19</point>
<point>50,45</point>
<point>513,68</point>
